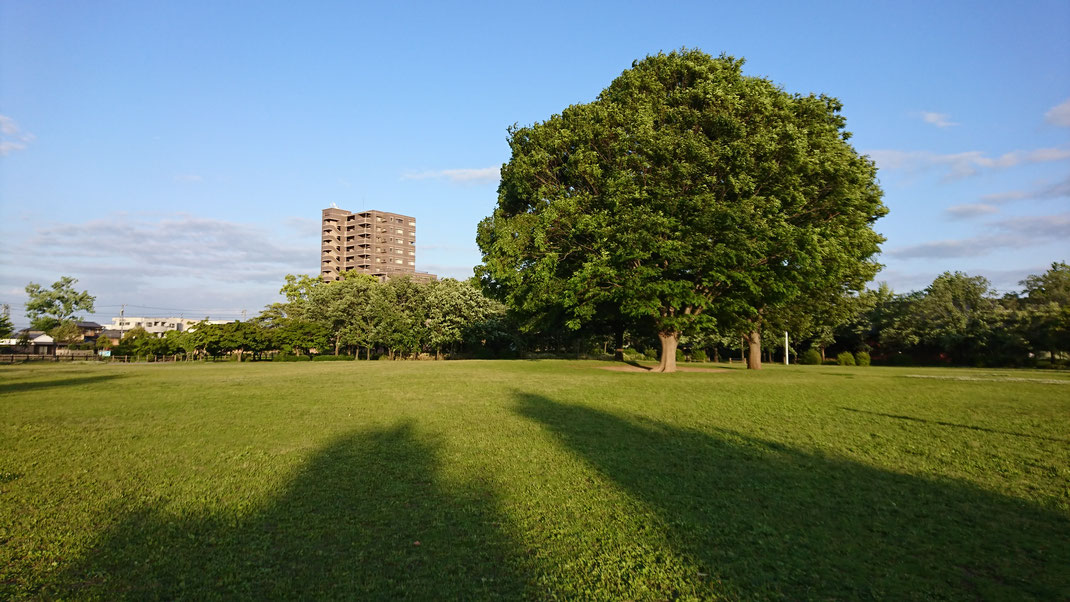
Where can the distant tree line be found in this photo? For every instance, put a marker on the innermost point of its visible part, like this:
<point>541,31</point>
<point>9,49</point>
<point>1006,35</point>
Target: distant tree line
<point>956,320</point>
<point>357,316</point>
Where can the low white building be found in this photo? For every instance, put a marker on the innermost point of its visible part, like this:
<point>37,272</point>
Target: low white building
<point>157,326</point>
<point>32,341</point>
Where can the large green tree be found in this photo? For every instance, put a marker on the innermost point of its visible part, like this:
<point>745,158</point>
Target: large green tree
<point>686,194</point>
<point>1046,322</point>
<point>47,308</point>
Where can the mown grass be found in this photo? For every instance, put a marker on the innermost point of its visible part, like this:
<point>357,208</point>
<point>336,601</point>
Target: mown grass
<point>544,480</point>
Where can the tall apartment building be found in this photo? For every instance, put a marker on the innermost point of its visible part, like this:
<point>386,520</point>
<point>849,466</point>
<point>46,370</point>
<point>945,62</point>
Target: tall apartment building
<point>372,242</point>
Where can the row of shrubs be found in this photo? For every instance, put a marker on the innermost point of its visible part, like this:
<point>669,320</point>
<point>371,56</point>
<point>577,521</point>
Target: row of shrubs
<point>845,358</point>
<point>283,357</point>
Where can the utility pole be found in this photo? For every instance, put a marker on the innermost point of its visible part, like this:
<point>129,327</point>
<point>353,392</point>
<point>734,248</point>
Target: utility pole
<point>122,323</point>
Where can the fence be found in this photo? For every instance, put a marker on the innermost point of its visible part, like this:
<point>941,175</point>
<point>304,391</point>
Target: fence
<point>18,358</point>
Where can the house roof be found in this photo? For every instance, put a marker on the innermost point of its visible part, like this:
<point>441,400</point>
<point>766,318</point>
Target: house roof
<point>87,325</point>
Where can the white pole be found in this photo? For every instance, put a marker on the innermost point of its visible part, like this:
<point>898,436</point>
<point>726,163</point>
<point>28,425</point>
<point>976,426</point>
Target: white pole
<point>785,348</point>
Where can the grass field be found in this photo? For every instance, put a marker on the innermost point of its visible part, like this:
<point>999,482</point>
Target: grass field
<point>544,480</point>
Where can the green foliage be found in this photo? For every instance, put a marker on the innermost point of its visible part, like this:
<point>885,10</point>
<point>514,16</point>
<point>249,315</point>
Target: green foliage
<point>667,197</point>
<point>810,357</point>
<point>48,308</point>
<point>862,358</point>
<point>333,358</point>
<point>6,327</point>
<point>283,357</point>
<point>845,359</point>
<point>65,332</point>
<point>698,355</point>
<point>680,357</point>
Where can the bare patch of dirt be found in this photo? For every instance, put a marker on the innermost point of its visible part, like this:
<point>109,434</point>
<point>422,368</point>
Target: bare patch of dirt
<point>634,368</point>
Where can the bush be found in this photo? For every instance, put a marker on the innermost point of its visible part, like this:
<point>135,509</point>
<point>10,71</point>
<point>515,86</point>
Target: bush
<point>810,357</point>
<point>845,359</point>
<point>680,356</point>
<point>284,357</point>
<point>333,358</point>
<point>651,354</point>
<point>862,358</point>
<point>698,355</point>
<point>633,354</point>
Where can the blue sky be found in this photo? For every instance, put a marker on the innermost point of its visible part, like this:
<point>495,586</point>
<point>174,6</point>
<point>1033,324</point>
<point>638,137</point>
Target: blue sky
<point>175,157</point>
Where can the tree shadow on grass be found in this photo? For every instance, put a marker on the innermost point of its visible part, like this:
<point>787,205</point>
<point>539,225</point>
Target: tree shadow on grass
<point>770,521</point>
<point>18,387</point>
<point>365,518</point>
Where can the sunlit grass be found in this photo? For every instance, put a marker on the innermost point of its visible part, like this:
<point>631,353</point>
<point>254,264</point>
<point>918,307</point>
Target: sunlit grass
<point>548,479</point>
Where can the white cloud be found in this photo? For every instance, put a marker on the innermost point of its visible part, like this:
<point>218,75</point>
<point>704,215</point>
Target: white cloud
<point>177,245</point>
<point>990,202</point>
<point>1057,190</point>
<point>11,137</point>
<point>970,210</point>
<point>462,176</point>
<point>1014,233</point>
<point>1059,114</point>
<point>940,120</point>
<point>960,165</point>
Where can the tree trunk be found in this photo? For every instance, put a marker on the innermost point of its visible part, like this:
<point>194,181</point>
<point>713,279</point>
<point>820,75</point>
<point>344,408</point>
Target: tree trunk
<point>618,343</point>
<point>337,342</point>
<point>716,355</point>
<point>822,348</point>
<point>438,353</point>
<point>669,340</point>
<point>754,353</point>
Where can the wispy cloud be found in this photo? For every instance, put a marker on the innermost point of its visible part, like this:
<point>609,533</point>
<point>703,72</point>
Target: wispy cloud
<point>970,210</point>
<point>461,176</point>
<point>960,165</point>
<point>1059,114</point>
<point>12,138</point>
<point>990,202</point>
<point>1014,233</point>
<point>177,245</point>
<point>940,120</point>
<point>1057,190</point>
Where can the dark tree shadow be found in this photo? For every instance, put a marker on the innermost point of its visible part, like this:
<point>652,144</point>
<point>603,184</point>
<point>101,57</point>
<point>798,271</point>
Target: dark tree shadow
<point>956,425</point>
<point>18,387</point>
<point>366,518</point>
<point>770,521</point>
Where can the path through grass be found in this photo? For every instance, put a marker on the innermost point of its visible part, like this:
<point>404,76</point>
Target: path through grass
<point>547,480</point>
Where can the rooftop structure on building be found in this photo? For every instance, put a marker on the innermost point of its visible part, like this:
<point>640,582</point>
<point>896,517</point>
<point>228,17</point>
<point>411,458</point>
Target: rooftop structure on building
<point>378,243</point>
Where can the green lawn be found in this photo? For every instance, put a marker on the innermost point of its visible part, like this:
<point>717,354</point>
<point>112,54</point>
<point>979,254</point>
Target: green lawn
<point>538,479</point>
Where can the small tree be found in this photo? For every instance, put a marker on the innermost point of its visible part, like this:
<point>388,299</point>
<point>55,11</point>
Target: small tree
<point>48,308</point>
<point>66,332</point>
<point>6,327</point>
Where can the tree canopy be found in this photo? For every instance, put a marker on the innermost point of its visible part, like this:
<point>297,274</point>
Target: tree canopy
<point>686,194</point>
<point>47,308</point>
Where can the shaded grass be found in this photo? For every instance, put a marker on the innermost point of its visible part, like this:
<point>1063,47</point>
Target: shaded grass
<point>548,479</point>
